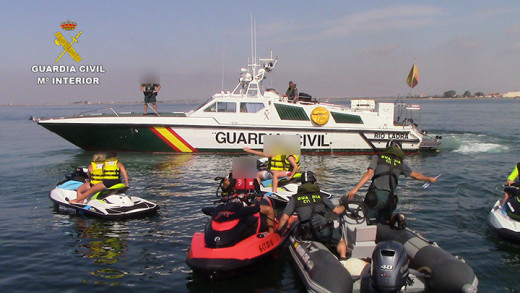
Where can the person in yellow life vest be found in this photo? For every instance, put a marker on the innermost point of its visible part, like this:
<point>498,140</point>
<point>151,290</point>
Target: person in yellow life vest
<point>511,181</point>
<point>279,166</point>
<point>103,174</point>
<point>95,172</point>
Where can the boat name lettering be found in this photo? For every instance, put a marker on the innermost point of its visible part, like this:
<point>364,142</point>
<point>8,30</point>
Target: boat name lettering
<point>307,140</point>
<point>266,245</point>
<point>391,135</point>
<point>241,137</point>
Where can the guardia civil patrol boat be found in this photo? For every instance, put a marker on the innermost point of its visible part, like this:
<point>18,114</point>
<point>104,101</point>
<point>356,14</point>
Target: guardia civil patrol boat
<point>232,120</point>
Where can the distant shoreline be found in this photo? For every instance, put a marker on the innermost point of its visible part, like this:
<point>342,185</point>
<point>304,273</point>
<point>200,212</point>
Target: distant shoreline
<point>200,101</point>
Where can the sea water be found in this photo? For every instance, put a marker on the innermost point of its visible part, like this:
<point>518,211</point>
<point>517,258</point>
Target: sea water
<point>44,251</point>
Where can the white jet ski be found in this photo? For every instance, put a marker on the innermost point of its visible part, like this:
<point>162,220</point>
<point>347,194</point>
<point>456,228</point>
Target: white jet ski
<point>111,203</point>
<point>505,219</point>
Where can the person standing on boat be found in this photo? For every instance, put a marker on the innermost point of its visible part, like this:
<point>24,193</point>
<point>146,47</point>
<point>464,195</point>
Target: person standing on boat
<point>150,95</point>
<point>292,92</point>
<point>278,166</point>
<point>384,170</point>
<point>314,213</point>
<point>104,173</point>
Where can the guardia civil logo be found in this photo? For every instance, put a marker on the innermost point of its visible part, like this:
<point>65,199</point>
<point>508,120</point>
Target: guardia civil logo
<point>64,74</point>
<point>60,40</point>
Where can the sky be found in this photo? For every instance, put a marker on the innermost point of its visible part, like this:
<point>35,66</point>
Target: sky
<point>330,49</point>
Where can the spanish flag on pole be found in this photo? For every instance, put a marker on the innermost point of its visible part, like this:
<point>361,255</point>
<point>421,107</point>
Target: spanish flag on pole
<point>413,76</point>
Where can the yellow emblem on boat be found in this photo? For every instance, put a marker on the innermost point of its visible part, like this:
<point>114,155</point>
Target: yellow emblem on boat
<point>320,115</point>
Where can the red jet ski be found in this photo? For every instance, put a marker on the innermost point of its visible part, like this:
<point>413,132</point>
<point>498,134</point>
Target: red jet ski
<point>235,239</point>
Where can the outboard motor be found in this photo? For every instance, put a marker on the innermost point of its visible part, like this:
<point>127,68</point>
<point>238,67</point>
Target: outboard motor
<point>389,266</point>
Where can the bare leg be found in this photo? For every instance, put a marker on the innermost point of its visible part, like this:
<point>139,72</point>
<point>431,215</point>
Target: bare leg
<point>341,248</point>
<point>506,196</point>
<point>82,196</point>
<point>268,211</point>
<point>155,108</point>
<point>83,188</point>
<point>276,176</point>
<point>145,108</point>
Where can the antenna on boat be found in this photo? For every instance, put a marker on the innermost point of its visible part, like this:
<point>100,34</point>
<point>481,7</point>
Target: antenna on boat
<point>253,45</point>
<point>223,60</point>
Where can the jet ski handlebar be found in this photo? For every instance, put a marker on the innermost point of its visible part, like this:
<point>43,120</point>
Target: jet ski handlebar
<point>243,197</point>
<point>512,190</point>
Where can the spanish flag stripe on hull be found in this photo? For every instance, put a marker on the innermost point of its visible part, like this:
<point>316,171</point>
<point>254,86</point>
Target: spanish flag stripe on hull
<point>171,138</point>
<point>181,140</point>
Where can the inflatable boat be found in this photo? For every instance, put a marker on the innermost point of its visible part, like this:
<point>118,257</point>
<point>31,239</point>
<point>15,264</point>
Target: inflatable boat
<point>503,219</point>
<point>235,240</point>
<point>111,203</point>
<point>382,259</point>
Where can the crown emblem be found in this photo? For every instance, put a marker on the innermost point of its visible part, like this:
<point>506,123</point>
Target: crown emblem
<point>68,25</point>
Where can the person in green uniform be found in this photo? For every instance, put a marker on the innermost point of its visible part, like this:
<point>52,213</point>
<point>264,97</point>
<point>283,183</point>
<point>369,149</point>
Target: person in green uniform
<point>385,170</point>
<point>314,213</point>
<point>292,92</point>
<point>150,95</point>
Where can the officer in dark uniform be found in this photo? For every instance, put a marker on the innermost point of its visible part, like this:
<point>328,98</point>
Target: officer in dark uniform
<point>313,211</point>
<point>292,92</point>
<point>385,170</point>
<point>150,95</point>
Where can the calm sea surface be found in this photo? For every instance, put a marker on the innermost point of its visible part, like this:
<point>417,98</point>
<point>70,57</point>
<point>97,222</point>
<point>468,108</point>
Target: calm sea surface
<point>47,252</point>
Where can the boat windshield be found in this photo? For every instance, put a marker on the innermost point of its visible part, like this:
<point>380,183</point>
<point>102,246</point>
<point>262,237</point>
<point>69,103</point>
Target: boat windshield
<point>250,107</point>
<point>202,105</point>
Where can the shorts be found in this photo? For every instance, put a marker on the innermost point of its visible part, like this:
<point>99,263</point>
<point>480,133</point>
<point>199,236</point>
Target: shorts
<point>150,98</point>
<point>110,182</point>
<point>264,175</point>
<point>336,236</point>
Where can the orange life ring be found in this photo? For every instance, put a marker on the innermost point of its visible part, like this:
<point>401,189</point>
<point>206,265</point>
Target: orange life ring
<point>320,115</point>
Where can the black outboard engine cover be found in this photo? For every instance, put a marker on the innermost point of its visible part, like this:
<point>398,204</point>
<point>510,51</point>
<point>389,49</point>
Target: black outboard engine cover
<point>237,232</point>
<point>230,223</point>
<point>389,266</point>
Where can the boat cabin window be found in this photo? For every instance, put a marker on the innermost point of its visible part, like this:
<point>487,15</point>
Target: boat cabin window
<point>251,107</point>
<point>222,107</point>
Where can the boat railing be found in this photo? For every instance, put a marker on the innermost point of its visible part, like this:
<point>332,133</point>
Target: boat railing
<point>98,113</point>
<point>407,114</point>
